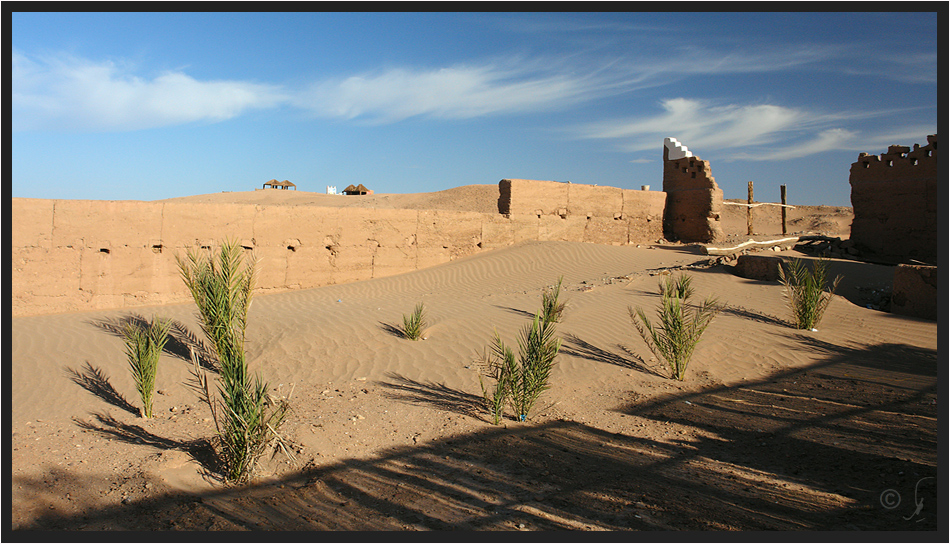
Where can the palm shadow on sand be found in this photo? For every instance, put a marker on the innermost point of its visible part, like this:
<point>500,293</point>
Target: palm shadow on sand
<point>804,449</point>
<point>516,311</point>
<point>576,347</point>
<point>434,394</point>
<point>95,380</point>
<point>392,329</point>
<point>182,342</point>
<point>746,313</point>
<point>199,449</point>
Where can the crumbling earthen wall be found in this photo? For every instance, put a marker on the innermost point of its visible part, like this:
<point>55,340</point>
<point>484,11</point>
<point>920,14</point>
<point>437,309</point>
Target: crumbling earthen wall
<point>693,200</point>
<point>76,255</point>
<point>896,199</point>
<point>573,211</point>
<point>915,291</point>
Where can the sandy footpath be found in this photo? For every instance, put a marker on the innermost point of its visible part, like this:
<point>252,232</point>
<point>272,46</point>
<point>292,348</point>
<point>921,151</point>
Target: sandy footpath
<point>773,428</point>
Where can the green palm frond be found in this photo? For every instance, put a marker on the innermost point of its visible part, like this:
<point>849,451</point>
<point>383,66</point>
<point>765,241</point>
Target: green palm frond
<point>222,285</point>
<point>414,324</point>
<point>678,329</point>
<point>805,293</point>
<point>143,347</point>
<point>551,307</point>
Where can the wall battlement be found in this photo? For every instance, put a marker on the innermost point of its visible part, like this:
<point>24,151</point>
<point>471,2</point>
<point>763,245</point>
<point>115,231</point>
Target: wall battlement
<point>898,161</point>
<point>896,202</point>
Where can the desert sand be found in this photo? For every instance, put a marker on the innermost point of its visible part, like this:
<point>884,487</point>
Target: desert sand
<point>773,428</point>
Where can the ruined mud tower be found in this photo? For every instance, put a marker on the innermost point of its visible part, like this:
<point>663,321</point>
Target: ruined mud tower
<point>896,199</point>
<point>693,200</point>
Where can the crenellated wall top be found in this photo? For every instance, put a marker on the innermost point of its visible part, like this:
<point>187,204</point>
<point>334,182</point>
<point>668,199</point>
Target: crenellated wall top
<point>898,161</point>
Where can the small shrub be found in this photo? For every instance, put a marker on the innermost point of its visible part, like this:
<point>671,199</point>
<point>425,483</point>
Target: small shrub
<point>675,336</point>
<point>805,291</point>
<point>500,366</point>
<point>520,382</point>
<point>539,347</point>
<point>551,307</point>
<point>414,323</point>
<point>143,346</point>
<point>246,417</point>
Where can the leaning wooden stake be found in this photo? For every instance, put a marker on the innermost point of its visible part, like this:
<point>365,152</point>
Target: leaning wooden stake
<point>782,188</point>
<point>748,213</point>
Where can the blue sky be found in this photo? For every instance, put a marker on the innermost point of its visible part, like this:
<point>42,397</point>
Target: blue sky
<point>139,106</point>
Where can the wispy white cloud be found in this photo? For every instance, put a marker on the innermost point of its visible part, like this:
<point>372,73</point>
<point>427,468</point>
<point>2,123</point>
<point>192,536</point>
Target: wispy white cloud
<point>71,93</point>
<point>456,92</point>
<point>700,125</point>
<point>918,67</point>
<point>519,84</point>
<point>842,140</point>
<point>835,138</point>
<point>750,132</point>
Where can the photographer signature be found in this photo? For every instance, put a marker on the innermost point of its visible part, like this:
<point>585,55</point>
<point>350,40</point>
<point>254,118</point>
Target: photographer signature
<point>891,499</point>
<point>919,502</point>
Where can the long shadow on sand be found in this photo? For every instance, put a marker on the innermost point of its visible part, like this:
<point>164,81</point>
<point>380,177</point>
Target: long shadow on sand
<point>814,448</point>
<point>392,329</point>
<point>95,380</point>
<point>114,429</point>
<point>576,347</point>
<point>182,342</point>
<point>433,394</point>
<point>516,311</point>
<point>740,311</point>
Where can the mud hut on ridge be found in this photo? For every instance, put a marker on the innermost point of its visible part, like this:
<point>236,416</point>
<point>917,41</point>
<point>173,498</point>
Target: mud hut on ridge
<point>274,184</point>
<point>357,190</point>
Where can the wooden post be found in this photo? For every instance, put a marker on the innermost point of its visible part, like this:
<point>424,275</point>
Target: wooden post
<point>782,189</point>
<point>749,210</point>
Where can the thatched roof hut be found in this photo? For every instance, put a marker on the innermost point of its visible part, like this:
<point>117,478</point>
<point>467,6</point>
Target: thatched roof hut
<point>274,184</point>
<point>356,190</point>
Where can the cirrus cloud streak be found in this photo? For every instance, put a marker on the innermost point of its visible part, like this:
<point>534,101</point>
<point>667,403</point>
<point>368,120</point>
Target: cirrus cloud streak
<point>75,94</point>
<point>755,132</point>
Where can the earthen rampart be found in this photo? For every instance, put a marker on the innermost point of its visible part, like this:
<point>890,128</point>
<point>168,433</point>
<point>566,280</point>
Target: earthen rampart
<point>895,198</point>
<point>693,200</point>
<point>77,255</point>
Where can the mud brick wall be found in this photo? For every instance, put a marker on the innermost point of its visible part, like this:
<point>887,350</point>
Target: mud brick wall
<point>579,212</point>
<point>914,292</point>
<point>77,255</point>
<point>896,199</point>
<point>693,200</point>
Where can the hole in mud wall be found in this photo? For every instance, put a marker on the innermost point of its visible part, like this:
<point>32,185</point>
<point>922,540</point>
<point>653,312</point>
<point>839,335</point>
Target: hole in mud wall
<point>867,165</point>
<point>157,248</point>
<point>694,175</point>
<point>105,250</point>
<point>890,163</point>
<point>291,248</point>
<point>913,162</point>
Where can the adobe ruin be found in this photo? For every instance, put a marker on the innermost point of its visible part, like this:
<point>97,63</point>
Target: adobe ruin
<point>693,200</point>
<point>895,198</point>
